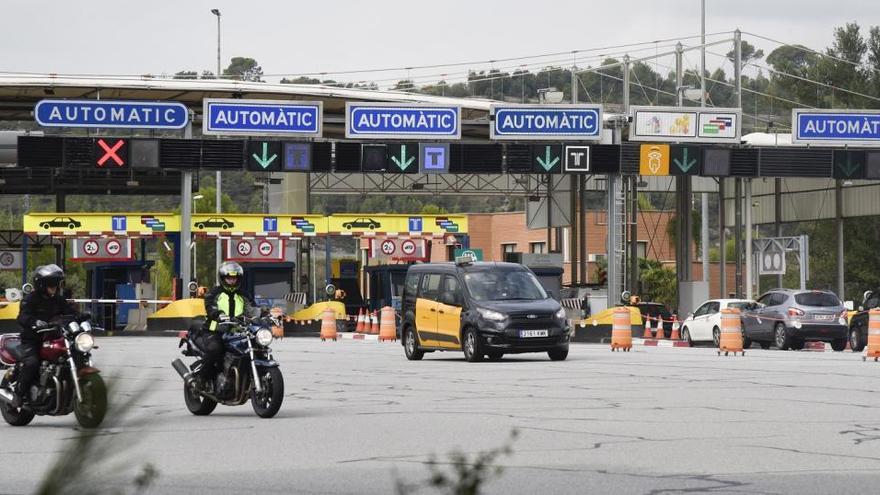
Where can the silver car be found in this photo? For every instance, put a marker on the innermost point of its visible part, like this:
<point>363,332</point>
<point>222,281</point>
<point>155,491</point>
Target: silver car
<point>788,318</point>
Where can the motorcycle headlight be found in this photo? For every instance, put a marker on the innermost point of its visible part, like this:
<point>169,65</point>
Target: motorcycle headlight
<point>561,313</point>
<point>85,326</point>
<point>491,315</point>
<point>73,327</point>
<point>84,342</point>
<point>264,337</point>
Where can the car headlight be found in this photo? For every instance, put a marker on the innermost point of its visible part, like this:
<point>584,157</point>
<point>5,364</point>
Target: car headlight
<point>491,315</point>
<point>561,314</point>
<point>84,342</point>
<point>264,337</point>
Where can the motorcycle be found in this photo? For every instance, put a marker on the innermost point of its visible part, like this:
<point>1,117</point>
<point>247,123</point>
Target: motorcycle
<point>67,381</point>
<point>248,369</point>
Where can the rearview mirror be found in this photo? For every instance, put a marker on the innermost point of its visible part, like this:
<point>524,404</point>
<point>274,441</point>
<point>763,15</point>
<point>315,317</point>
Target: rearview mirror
<point>27,288</point>
<point>848,305</point>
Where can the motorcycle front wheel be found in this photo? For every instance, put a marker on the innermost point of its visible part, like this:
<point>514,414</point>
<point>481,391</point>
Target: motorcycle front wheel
<point>14,416</point>
<point>267,402</point>
<point>91,410</point>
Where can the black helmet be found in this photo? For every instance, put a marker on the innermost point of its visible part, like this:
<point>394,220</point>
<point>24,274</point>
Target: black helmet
<point>48,276</point>
<point>230,269</point>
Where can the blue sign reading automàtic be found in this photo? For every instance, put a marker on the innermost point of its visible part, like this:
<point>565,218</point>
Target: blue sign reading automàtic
<point>402,121</point>
<point>261,117</point>
<point>552,122</point>
<point>836,126</point>
<point>111,114</point>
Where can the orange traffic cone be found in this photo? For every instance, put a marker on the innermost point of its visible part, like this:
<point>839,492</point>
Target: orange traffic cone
<point>328,325</point>
<point>731,332</point>
<point>659,332</point>
<point>872,350</point>
<point>387,328</point>
<point>647,334</point>
<point>374,328</point>
<point>621,330</point>
<point>676,334</point>
<point>360,321</point>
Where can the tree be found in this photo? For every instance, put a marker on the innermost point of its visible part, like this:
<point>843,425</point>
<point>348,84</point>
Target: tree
<point>300,80</point>
<point>748,53</point>
<point>244,69</point>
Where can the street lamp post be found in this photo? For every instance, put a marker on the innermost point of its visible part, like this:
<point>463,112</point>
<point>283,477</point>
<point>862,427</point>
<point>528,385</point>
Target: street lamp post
<point>218,178</point>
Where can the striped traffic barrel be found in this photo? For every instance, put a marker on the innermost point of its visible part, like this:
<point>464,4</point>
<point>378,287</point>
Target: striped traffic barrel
<point>731,332</point>
<point>873,349</point>
<point>621,330</point>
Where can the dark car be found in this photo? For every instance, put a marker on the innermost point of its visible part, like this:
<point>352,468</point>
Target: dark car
<point>858,324</point>
<point>362,223</point>
<point>62,222</point>
<point>654,310</point>
<point>788,318</point>
<point>481,308</point>
<point>216,223</point>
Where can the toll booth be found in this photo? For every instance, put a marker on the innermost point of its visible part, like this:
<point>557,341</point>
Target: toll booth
<point>345,278</point>
<point>385,285</point>
<point>117,280</point>
<point>269,283</point>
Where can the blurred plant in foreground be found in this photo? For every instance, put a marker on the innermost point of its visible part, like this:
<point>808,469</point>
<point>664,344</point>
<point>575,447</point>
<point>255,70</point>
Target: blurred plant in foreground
<point>461,474</point>
<point>93,461</point>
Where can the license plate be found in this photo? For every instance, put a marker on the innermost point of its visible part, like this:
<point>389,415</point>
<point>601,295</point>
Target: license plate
<point>824,317</point>
<point>533,333</point>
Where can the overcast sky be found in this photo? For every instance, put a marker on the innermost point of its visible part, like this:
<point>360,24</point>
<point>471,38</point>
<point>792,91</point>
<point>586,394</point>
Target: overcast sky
<point>286,37</point>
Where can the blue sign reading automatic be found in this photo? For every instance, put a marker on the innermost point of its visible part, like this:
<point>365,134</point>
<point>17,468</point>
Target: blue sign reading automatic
<point>402,121</point>
<point>111,114</point>
<point>535,122</point>
<point>818,126</point>
<point>261,117</point>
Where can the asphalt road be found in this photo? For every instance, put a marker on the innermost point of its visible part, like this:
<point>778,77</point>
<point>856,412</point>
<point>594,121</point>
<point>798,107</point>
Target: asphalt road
<point>357,416</point>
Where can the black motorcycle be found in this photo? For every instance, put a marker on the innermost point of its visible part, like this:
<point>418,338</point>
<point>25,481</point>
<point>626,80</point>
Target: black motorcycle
<point>248,370</point>
<point>67,382</point>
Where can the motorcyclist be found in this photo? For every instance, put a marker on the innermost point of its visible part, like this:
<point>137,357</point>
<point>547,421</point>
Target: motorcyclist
<point>45,303</point>
<point>223,302</point>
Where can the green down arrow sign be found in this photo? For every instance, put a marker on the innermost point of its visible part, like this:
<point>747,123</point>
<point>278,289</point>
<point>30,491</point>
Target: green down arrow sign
<point>403,163</point>
<point>547,162</point>
<point>684,164</point>
<point>265,160</point>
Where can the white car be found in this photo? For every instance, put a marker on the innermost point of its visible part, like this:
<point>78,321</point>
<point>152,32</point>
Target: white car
<point>704,324</point>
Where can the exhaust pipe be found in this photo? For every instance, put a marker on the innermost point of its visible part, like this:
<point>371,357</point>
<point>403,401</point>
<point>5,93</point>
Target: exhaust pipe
<point>6,396</point>
<point>182,370</point>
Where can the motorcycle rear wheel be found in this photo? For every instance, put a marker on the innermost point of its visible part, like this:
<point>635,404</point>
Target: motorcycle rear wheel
<point>14,416</point>
<point>91,411</point>
<point>197,404</point>
<point>267,403</point>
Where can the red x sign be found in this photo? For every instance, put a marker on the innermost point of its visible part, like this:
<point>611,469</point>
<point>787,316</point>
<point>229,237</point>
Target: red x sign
<point>111,152</point>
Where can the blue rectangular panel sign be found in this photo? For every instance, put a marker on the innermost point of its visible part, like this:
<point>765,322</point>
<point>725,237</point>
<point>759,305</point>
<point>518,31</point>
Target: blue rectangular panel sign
<point>297,157</point>
<point>415,224</point>
<point>111,114</point>
<point>435,158</point>
<point>547,122</point>
<point>402,121</point>
<point>836,126</point>
<point>233,117</point>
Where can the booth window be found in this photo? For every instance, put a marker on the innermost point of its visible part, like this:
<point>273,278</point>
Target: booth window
<point>538,247</point>
<point>508,248</point>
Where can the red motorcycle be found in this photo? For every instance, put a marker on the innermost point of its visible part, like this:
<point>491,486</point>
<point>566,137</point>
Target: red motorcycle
<point>67,381</point>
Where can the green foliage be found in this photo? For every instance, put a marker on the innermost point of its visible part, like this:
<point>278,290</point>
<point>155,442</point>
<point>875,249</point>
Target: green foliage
<point>659,284</point>
<point>244,69</point>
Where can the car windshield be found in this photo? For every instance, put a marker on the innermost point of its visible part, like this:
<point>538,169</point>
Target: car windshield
<point>821,299</point>
<point>506,285</point>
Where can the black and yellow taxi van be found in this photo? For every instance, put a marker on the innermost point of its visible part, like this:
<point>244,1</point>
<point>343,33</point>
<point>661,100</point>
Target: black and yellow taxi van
<point>485,309</point>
